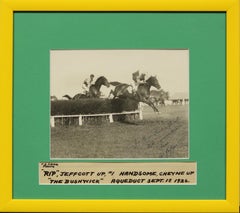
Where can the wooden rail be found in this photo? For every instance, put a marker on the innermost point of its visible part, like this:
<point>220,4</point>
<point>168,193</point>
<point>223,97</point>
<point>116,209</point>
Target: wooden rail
<point>109,115</point>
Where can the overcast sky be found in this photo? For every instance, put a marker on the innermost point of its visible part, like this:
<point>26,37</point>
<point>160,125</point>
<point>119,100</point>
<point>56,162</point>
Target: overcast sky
<point>69,68</point>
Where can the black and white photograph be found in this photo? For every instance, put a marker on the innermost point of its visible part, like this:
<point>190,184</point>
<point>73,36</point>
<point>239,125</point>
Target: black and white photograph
<point>119,104</point>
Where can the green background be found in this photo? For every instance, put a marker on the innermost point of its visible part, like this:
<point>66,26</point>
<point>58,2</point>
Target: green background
<point>35,34</point>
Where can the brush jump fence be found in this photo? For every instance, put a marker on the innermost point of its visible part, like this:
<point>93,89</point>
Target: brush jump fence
<point>119,111</point>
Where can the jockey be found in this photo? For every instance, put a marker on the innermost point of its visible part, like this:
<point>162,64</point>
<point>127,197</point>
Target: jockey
<point>138,79</point>
<point>87,83</point>
<point>143,77</point>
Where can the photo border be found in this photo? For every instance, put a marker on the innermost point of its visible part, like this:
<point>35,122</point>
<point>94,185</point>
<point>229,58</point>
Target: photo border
<point>230,204</point>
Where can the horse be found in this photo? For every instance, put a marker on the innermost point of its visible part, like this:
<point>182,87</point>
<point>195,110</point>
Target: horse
<point>120,90</point>
<point>76,97</point>
<point>142,93</point>
<point>94,90</point>
<point>159,96</point>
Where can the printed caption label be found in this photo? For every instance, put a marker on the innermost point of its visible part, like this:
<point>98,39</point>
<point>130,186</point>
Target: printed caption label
<point>118,173</point>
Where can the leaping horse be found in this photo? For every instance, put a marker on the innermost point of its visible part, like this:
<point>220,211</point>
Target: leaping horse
<point>142,94</point>
<point>94,90</point>
<point>121,90</point>
<point>143,91</point>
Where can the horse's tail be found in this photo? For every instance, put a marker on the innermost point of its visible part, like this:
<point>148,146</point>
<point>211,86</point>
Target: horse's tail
<point>68,97</point>
<point>115,83</point>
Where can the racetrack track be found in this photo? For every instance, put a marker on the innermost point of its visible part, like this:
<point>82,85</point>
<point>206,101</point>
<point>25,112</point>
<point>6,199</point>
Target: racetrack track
<point>163,135</point>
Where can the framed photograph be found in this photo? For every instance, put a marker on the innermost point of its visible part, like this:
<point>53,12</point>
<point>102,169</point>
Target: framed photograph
<point>119,106</point>
<point>161,122</point>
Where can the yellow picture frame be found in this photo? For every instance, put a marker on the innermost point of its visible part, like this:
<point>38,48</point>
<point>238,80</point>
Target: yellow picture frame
<point>230,204</point>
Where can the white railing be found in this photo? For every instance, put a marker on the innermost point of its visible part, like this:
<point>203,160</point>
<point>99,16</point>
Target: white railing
<point>107,115</point>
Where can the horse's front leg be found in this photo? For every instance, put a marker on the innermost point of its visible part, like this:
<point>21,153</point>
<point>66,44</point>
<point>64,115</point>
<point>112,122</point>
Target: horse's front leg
<point>148,102</point>
<point>153,106</point>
